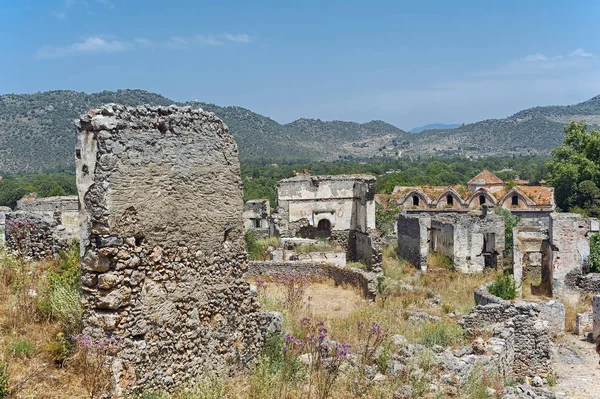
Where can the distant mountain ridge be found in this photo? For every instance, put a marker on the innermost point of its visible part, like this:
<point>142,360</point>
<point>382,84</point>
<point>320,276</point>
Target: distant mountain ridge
<point>37,131</point>
<point>430,126</point>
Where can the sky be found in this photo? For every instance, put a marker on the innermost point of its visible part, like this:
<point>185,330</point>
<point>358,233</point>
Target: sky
<point>408,63</point>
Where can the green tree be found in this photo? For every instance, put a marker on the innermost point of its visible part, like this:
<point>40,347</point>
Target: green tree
<point>575,161</point>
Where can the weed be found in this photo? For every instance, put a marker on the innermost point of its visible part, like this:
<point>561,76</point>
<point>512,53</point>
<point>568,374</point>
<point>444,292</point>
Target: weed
<point>207,388</point>
<point>426,360</point>
<point>92,360</point>
<point>436,260</point>
<point>21,348</point>
<point>383,359</point>
<point>59,348</point>
<point>503,287</point>
<point>4,388</point>
<point>439,333</point>
<point>294,286</point>
<point>356,265</point>
<point>258,248</point>
<point>477,383</point>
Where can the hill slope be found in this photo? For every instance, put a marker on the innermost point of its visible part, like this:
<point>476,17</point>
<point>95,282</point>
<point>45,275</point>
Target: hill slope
<point>533,131</point>
<point>37,131</point>
<point>434,126</point>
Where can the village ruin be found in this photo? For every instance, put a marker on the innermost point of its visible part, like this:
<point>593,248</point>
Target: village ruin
<point>164,268</point>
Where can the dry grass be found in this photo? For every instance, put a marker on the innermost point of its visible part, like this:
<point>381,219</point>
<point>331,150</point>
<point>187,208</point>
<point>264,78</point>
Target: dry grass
<point>576,303</point>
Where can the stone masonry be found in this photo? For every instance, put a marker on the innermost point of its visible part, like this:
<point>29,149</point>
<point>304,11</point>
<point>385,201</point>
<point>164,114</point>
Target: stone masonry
<point>472,242</point>
<point>162,245</point>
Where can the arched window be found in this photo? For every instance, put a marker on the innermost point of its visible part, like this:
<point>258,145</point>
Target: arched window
<point>482,199</point>
<point>515,200</point>
<point>450,199</point>
<point>415,200</point>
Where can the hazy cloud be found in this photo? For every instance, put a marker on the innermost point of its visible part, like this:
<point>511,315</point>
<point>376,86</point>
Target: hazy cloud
<point>580,53</point>
<point>99,44</point>
<point>241,38</point>
<point>90,45</point>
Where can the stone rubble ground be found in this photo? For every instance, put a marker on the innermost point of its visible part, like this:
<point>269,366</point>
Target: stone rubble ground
<point>576,367</point>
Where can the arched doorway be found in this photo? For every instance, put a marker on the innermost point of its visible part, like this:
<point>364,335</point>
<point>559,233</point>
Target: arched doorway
<point>324,228</point>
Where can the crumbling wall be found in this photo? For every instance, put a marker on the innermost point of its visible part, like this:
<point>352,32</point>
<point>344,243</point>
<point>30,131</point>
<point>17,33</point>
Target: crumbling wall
<point>366,282</point>
<point>3,211</point>
<point>413,239</point>
<point>256,216</point>
<point>569,235</point>
<point>596,310</point>
<point>162,244</point>
<point>31,203</point>
<point>527,253</point>
<point>36,234</point>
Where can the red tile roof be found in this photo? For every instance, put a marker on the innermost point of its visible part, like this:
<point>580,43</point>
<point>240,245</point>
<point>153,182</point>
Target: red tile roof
<point>486,178</point>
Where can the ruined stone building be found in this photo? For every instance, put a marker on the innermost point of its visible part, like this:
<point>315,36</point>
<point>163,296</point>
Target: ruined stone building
<point>341,208</point>
<point>40,227</point>
<point>257,216</point>
<point>162,245</point>
<point>472,242</point>
<point>532,204</point>
<point>553,256</point>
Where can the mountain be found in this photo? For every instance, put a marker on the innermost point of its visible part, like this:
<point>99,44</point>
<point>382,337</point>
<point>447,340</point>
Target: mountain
<point>433,126</point>
<point>534,131</point>
<point>37,131</point>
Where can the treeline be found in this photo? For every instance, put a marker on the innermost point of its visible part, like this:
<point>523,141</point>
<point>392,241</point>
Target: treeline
<point>260,179</point>
<point>14,187</point>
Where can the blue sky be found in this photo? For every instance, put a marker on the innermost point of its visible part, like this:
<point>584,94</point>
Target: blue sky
<point>406,62</point>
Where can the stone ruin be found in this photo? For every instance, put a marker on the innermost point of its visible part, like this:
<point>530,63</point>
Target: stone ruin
<point>557,256</point>
<point>257,217</point>
<point>522,331</point>
<point>40,227</point>
<point>341,208</point>
<point>472,242</point>
<point>162,245</point>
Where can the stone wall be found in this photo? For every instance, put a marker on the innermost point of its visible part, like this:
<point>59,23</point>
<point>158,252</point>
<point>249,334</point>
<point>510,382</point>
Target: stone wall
<point>569,236</point>
<point>37,234</point>
<point>413,240</point>
<point>596,310</point>
<point>527,253</point>
<point>577,280</point>
<point>365,281</point>
<point>162,244</point>
<point>3,211</point>
<point>257,216</point>
<point>526,328</point>
<point>472,242</point>
<point>31,203</point>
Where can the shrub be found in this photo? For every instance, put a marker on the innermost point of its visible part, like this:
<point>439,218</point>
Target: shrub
<point>60,297</point>
<point>207,388</point>
<point>504,287</point>
<point>510,221</point>
<point>439,333</point>
<point>92,360</point>
<point>595,253</point>
<point>59,348</point>
<point>4,389</point>
<point>436,260</point>
<point>257,248</point>
<point>21,348</point>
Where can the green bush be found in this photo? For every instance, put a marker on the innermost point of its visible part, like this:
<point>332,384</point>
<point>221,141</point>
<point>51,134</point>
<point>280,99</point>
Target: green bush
<point>257,248</point>
<point>21,348</point>
<point>595,253</point>
<point>504,287</point>
<point>59,348</point>
<point>60,298</point>
<point>439,333</point>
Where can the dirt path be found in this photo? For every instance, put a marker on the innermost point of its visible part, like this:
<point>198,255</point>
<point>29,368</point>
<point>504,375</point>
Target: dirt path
<point>576,368</point>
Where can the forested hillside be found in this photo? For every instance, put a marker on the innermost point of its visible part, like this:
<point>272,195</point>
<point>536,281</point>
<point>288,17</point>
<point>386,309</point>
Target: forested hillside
<point>37,132</point>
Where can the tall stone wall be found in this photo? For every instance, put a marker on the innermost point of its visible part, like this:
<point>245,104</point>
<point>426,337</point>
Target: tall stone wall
<point>162,244</point>
<point>413,234</point>
<point>3,211</point>
<point>569,235</point>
